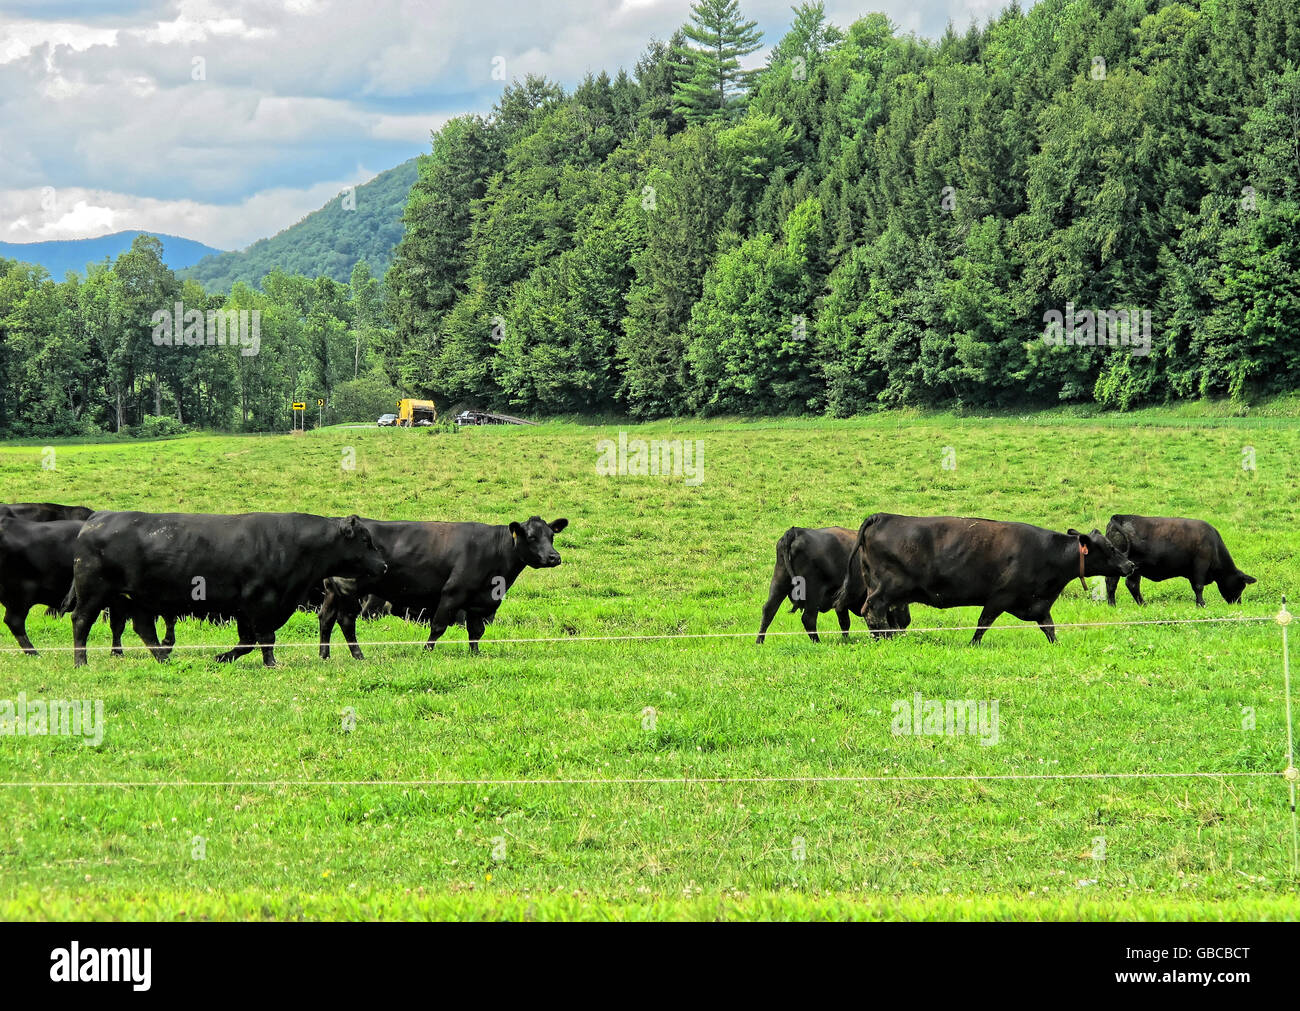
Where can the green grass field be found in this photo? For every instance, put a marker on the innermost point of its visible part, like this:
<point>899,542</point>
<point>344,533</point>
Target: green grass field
<point>254,771</point>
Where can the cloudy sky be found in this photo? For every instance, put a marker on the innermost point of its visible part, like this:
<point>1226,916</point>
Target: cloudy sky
<point>227,120</point>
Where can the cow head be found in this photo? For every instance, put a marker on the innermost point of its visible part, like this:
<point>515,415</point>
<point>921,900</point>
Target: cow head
<point>1232,587</point>
<point>1101,557</point>
<point>533,542</point>
<point>358,554</point>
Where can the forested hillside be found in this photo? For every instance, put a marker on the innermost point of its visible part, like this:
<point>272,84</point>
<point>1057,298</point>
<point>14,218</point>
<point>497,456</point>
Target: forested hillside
<point>58,256</point>
<point>869,220</point>
<point>363,225</point>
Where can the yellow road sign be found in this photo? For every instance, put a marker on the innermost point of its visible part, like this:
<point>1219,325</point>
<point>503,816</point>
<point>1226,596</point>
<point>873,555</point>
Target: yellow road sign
<point>300,407</point>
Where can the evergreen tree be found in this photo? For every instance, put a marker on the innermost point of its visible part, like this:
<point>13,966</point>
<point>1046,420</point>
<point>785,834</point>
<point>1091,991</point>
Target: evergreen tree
<point>714,80</point>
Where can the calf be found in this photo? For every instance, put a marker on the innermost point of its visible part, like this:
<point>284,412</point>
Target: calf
<point>444,570</point>
<point>950,561</point>
<point>1167,547</point>
<point>255,568</point>
<point>810,571</point>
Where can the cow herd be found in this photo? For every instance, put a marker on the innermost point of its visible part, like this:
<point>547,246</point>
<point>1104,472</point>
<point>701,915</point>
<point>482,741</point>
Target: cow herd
<point>1002,568</point>
<point>256,569</point>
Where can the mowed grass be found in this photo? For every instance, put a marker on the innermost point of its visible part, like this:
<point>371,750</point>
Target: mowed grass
<point>255,771</point>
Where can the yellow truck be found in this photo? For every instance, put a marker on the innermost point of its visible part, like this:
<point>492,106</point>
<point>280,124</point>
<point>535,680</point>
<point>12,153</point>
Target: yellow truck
<point>416,412</point>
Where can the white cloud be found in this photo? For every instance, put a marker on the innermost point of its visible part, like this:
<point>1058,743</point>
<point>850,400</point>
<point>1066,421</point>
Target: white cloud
<point>293,95</point>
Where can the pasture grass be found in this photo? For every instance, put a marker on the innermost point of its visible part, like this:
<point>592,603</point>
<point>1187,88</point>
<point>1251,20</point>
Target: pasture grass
<point>295,816</point>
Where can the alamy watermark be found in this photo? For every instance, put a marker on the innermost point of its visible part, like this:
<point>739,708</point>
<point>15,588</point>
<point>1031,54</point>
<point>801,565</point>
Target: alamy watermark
<point>53,718</point>
<point>1103,328</point>
<point>946,718</point>
<point>179,327</point>
<point>651,458</point>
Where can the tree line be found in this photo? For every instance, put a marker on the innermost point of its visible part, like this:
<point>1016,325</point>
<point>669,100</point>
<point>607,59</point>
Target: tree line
<point>868,220</point>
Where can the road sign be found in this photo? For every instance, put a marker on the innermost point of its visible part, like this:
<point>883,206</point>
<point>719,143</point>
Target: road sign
<point>320,403</point>
<point>300,407</point>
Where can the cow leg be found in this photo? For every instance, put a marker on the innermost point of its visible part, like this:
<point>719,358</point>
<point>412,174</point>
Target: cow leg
<point>267,641</point>
<point>16,620</point>
<point>451,602</point>
<point>328,615</point>
<point>247,641</point>
<point>809,619</point>
<point>776,593</point>
<point>1112,584</point>
<point>147,630</point>
<point>169,634</point>
<point>987,617</point>
<point>1134,584</point>
<point>348,626</point>
<point>474,624</point>
<point>843,615</point>
<point>1048,626</point>
<point>83,619</point>
<point>117,624</point>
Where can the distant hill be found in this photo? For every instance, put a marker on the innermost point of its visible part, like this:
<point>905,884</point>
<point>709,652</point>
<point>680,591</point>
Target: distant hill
<point>61,255</point>
<point>329,241</point>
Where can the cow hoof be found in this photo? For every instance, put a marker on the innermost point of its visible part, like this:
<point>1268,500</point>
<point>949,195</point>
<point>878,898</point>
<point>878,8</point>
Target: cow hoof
<point>224,658</point>
<point>358,655</point>
<point>324,653</point>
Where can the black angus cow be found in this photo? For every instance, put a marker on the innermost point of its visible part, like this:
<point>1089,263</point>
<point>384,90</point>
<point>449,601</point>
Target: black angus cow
<point>443,572</point>
<point>36,568</point>
<point>1169,547</point>
<point>255,568</point>
<point>952,561</point>
<point>44,512</point>
<point>811,564</point>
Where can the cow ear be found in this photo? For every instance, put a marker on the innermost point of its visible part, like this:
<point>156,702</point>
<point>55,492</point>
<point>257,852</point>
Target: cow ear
<point>1248,579</point>
<point>349,527</point>
<point>516,531</point>
<point>1073,533</point>
<point>558,525</point>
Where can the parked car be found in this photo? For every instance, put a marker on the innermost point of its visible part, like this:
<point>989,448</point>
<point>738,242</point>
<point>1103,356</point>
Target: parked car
<point>387,420</point>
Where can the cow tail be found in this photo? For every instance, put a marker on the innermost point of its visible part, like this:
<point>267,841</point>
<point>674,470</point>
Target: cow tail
<point>843,599</point>
<point>783,560</point>
<point>855,583</point>
<point>68,604</point>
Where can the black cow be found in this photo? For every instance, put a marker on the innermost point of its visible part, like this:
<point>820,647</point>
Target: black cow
<point>44,512</point>
<point>254,568</point>
<point>36,568</point>
<point>951,561</point>
<point>1168,547</point>
<point>810,572</point>
<point>442,571</point>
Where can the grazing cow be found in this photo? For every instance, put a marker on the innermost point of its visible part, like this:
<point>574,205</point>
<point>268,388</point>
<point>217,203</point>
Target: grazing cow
<point>254,568</point>
<point>810,571</point>
<point>444,571</point>
<point>44,512</point>
<point>1168,547</point>
<point>951,561</point>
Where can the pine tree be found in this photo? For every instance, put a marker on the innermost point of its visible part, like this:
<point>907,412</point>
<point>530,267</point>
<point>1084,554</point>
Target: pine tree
<point>713,80</point>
